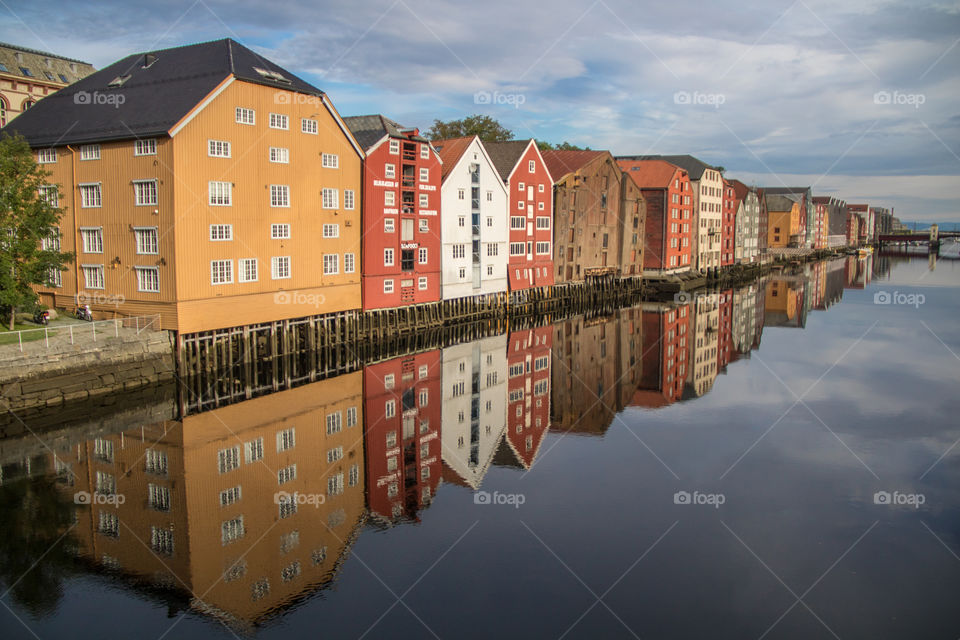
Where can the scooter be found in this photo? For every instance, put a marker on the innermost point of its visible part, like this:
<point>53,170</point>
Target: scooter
<point>83,313</point>
<point>42,316</point>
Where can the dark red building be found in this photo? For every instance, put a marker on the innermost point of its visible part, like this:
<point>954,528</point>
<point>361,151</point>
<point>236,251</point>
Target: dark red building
<point>528,393</point>
<point>665,351</point>
<point>530,201</point>
<point>400,256</point>
<point>725,347</point>
<point>668,228</point>
<point>402,401</point>
<point>728,224</point>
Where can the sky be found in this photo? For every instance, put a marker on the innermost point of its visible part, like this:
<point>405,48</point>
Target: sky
<point>859,99</point>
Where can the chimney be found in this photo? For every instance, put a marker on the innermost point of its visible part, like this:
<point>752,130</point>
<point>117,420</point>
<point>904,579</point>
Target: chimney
<point>148,59</point>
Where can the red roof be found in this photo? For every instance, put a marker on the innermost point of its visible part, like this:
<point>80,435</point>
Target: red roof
<point>560,163</point>
<point>450,151</point>
<point>740,191</point>
<point>650,174</point>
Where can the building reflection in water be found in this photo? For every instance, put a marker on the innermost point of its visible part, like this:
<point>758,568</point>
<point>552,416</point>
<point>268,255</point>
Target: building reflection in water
<point>200,527</point>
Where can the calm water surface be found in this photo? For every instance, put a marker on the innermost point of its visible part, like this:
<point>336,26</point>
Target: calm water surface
<point>779,461</point>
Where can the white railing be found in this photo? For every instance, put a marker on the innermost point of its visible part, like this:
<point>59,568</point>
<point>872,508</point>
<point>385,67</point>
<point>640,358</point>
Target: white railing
<point>80,332</point>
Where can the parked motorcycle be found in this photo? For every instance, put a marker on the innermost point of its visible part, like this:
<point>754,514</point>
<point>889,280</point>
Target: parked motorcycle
<point>42,316</point>
<point>83,313</point>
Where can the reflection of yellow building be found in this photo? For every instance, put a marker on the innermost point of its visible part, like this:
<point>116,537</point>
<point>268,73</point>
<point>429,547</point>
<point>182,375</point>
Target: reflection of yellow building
<point>705,317</point>
<point>781,302</point>
<point>200,511</point>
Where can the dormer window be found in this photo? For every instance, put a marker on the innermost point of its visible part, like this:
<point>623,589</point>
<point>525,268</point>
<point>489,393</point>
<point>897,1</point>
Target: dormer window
<point>118,81</point>
<point>148,60</point>
<point>272,75</point>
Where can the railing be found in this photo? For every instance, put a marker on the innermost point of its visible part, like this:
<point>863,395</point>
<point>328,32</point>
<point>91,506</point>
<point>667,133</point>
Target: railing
<point>81,331</point>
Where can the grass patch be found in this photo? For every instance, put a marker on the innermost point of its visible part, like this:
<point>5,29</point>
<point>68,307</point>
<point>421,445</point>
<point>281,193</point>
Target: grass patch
<point>10,337</point>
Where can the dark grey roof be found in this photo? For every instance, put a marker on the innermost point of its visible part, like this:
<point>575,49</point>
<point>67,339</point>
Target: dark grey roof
<point>369,129</point>
<point>693,166</point>
<point>151,100</point>
<point>799,191</point>
<point>506,155</point>
<point>780,201</point>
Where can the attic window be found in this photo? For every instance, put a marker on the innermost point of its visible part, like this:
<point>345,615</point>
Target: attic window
<point>272,75</point>
<point>3,68</point>
<point>118,81</point>
<point>49,75</point>
<point>26,72</point>
<point>63,77</point>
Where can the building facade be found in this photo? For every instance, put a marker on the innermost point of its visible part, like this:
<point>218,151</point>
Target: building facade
<point>401,214</point>
<point>27,76</point>
<point>530,207</point>
<point>216,199</point>
<point>747,226</point>
<point>728,225</point>
<point>473,228</point>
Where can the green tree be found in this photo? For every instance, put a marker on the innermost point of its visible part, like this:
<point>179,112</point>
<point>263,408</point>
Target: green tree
<point>486,127</point>
<point>27,217</point>
<point>563,146</point>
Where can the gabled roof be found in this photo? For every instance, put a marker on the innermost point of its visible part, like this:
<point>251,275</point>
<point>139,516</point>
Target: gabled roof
<point>160,88</point>
<point>506,155</point>
<point>799,191</point>
<point>560,163</point>
<point>781,202</point>
<point>450,151</point>
<point>368,130</point>
<point>740,190</point>
<point>649,174</point>
<point>693,166</point>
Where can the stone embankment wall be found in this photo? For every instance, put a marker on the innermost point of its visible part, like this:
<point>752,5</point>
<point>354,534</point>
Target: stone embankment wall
<point>54,375</point>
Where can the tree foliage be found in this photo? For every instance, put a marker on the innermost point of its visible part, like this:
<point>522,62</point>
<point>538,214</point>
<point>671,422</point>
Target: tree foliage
<point>563,146</point>
<point>487,128</point>
<point>26,219</point>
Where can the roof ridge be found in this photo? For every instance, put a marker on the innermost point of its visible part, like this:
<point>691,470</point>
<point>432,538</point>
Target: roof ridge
<point>41,53</point>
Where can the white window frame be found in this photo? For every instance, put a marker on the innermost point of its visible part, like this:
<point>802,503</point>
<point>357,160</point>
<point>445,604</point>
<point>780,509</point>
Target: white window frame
<point>279,121</point>
<point>243,271</point>
<point>279,155</point>
<point>330,161</point>
<point>280,231</point>
<point>330,198</point>
<point>331,230</point>
<point>95,268</point>
<point>87,202</point>
<point>145,147</point>
<point>389,257</point>
<point>246,116</point>
<point>220,193</point>
<point>280,196</point>
<point>221,232</point>
<point>349,263</point>
<point>349,199</point>
<point>218,148</point>
<point>280,268</point>
<point>394,147</point>
<point>331,264</point>
<point>227,273</point>
<point>309,126</point>
<point>142,247</point>
<point>46,156</point>
<point>424,174</point>
<point>143,280</point>
<point>142,188</point>
<point>97,236</point>
<point>388,288</point>
<point>89,152</point>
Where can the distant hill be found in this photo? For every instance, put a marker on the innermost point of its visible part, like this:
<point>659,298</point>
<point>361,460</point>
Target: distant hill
<point>944,226</point>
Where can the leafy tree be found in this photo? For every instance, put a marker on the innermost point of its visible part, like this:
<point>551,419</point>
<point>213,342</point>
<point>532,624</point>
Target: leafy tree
<point>26,218</point>
<point>486,127</point>
<point>563,146</point>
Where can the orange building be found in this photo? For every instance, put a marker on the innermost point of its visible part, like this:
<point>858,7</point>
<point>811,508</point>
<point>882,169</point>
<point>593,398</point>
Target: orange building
<point>27,75</point>
<point>203,183</point>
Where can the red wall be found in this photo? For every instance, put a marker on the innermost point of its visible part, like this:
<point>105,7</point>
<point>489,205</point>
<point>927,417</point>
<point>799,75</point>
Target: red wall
<point>658,252</point>
<point>727,225</point>
<point>526,347</point>
<point>538,270</point>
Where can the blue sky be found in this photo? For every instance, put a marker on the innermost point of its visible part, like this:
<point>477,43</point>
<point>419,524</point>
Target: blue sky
<point>859,99</point>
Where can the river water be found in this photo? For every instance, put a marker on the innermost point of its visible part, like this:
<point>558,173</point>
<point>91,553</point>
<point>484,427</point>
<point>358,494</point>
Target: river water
<point>776,461</point>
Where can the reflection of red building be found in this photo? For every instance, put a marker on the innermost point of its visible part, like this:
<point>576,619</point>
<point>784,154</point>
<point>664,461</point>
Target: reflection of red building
<point>530,188</point>
<point>665,350</point>
<point>728,219</point>
<point>401,214</point>
<point>528,394</point>
<point>402,410</point>
<point>725,350</point>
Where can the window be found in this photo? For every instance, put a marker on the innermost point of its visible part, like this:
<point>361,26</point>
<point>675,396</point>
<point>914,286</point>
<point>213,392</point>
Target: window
<point>145,192</point>
<point>532,166</point>
<point>221,271</point>
<point>330,161</point>
<point>518,222</point>
<point>161,541</point>
<point>308,126</point>
<point>158,497</point>
<point>287,474</point>
<point>489,269</point>
<point>229,496</point>
<point>424,201</point>
<point>155,462</point>
<point>90,152</point>
<point>539,206</point>
<point>335,485</point>
<point>424,174</point>
<point>90,195</point>
<point>389,198</point>
<point>354,478</point>
<point>460,194</point>
<point>349,199</point>
<point>388,286</point>
<point>228,459</point>
<point>334,455</point>
<point>279,231</point>
<point>331,264</point>
<point>394,147</point>
<point>425,151</point>
<point>280,195</point>
<point>290,572</point>
<point>253,450</point>
<point>543,222</point>
<point>389,171</point>
<point>92,239</point>
<point>280,155</point>
<point>351,417</point>
<point>247,269</point>
<point>231,530</point>
<point>46,156</point>
<point>331,231</point>
<point>424,225</point>
<point>520,205</point>
<point>422,283</point>
<point>388,257</point>
<point>521,187</point>
<point>286,439</point>
<point>279,121</point>
<point>93,276</point>
<point>543,248</point>
<point>246,116</point>
<point>280,267</point>
<point>459,250</point>
<point>540,188</point>
<point>349,263</point>
<point>330,199</point>
<point>406,263</point>
<point>145,147</point>
<point>492,250</point>
<point>221,193</point>
<point>423,255</point>
<point>218,148</point>
<point>221,232</point>
<point>517,248</point>
<point>109,524</point>
<point>147,240</point>
<point>148,279</point>
<point>334,423</point>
